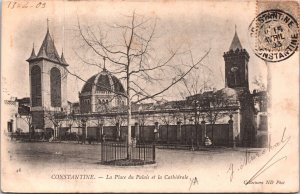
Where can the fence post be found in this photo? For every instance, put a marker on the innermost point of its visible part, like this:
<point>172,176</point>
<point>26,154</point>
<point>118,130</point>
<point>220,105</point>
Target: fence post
<point>137,131</point>
<point>156,132</point>
<point>144,152</point>
<point>153,152</point>
<point>101,132</point>
<point>231,132</point>
<point>127,145</point>
<point>118,131</point>
<point>106,152</point>
<point>203,130</point>
<point>178,134</point>
<point>84,132</point>
<point>101,152</point>
<point>115,146</point>
<point>139,152</point>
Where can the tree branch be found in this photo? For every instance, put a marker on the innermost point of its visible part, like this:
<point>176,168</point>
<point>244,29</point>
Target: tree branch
<point>175,80</point>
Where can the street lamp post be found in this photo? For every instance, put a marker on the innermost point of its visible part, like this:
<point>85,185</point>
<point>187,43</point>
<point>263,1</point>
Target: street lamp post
<point>197,126</point>
<point>191,122</point>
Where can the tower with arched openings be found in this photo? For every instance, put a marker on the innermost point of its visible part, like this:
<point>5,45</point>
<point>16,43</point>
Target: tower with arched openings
<point>48,83</point>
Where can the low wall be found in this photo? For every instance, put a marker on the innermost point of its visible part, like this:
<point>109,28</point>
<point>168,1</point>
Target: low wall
<point>167,134</point>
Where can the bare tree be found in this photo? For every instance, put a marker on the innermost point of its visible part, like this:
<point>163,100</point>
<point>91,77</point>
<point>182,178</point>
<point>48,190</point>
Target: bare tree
<point>79,125</point>
<point>258,82</point>
<point>166,120</point>
<point>118,121</point>
<point>70,120</point>
<point>214,106</point>
<point>133,58</point>
<point>196,81</point>
<point>56,118</point>
<point>98,121</point>
<point>25,114</point>
<point>194,84</point>
<point>27,117</point>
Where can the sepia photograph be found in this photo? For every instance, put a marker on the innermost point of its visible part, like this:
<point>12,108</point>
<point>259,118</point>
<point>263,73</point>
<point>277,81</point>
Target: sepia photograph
<point>149,96</point>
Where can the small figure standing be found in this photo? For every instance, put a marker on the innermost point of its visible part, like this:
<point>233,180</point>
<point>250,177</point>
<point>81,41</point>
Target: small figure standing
<point>207,141</point>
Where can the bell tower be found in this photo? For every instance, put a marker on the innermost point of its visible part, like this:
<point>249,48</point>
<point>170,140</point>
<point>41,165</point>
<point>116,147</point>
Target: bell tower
<point>236,65</point>
<point>48,82</point>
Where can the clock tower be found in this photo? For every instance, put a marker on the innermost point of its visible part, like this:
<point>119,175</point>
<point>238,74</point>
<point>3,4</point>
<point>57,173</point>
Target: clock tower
<point>236,65</point>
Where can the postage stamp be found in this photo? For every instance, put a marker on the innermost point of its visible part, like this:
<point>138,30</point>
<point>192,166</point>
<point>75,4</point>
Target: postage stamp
<point>274,35</point>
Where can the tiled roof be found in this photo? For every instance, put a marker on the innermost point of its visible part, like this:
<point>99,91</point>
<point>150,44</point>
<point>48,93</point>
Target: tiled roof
<point>24,101</point>
<point>33,55</point>
<point>235,44</point>
<point>103,81</point>
<point>48,51</point>
<point>63,58</point>
<point>49,48</point>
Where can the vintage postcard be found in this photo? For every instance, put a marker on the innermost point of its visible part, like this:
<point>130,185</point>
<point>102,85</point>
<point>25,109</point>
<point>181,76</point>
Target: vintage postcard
<point>149,96</point>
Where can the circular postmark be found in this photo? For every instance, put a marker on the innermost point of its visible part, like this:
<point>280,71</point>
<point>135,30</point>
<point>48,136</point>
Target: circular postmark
<point>274,35</point>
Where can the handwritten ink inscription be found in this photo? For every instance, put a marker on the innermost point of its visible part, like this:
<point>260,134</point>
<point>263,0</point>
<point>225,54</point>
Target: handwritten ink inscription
<point>26,4</point>
<point>193,182</point>
<point>274,159</point>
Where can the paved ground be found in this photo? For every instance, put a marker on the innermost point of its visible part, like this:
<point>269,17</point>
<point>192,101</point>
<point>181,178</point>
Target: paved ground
<point>41,161</point>
<point>76,155</point>
<point>45,163</point>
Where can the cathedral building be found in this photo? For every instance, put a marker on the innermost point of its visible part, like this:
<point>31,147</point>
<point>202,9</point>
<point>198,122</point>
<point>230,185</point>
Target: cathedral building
<point>102,105</point>
<point>101,92</point>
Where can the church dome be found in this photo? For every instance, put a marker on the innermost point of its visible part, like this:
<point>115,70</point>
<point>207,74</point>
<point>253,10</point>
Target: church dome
<point>102,92</point>
<point>103,82</point>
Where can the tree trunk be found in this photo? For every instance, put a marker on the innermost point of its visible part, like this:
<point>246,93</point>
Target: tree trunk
<point>212,133</point>
<point>197,139</point>
<point>185,136</point>
<point>196,124</point>
<point>167,133</point>
<point>129,142</point>
<point>55,132</point>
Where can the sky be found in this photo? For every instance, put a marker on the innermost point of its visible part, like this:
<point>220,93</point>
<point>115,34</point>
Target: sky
<point>201,25</point>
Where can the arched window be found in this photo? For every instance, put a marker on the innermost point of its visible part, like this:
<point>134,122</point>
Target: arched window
<point>36,88</point>
<point>55,85</point>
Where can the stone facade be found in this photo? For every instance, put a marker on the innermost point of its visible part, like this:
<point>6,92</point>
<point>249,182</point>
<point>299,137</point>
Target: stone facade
<point>15,119</point>
<point>45,90</point>
<point>101,111</point>
<point>101,92</point>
